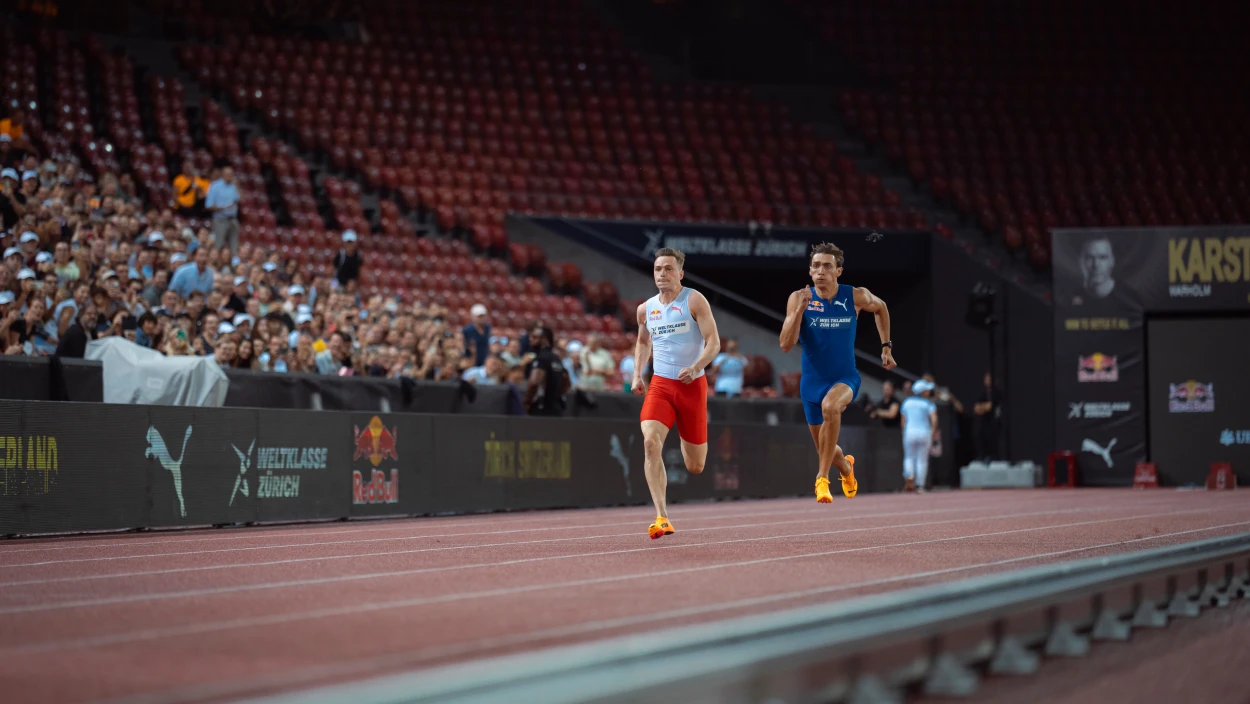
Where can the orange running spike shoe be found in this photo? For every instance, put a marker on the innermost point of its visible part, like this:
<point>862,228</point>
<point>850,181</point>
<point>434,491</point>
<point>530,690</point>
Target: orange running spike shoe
<point>822,491</point>
<point>850,486</point>
<point>660,528</point>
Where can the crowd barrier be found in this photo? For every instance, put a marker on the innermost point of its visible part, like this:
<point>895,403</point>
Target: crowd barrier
<point>72,467</point>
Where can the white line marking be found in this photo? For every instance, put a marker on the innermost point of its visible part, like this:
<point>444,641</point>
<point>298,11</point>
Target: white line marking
<point>273,619</point>
<point>415,657</point>
<point>322,558</point>
<point>432,536</point>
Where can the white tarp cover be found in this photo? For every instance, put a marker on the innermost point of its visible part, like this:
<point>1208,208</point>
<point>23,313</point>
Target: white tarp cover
<point>135,374</point>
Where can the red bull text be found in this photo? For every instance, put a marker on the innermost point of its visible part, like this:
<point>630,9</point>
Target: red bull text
<point>378,490</point>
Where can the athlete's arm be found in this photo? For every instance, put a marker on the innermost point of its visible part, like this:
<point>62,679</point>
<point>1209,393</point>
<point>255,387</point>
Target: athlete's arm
<point>933,422</point>
<point>864,300</point>
<point>701,311</point>
<point>794,318</point>
<point>642,351</point>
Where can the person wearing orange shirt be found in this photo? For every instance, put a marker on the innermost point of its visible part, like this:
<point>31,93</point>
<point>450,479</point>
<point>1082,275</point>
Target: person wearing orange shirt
<point>190,190</point>
<point>13,127</point>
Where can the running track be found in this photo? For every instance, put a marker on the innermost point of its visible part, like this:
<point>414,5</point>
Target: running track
<point>217,614</point>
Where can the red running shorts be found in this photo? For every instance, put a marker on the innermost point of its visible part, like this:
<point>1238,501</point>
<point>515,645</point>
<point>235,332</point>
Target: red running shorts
<point>669,400</point>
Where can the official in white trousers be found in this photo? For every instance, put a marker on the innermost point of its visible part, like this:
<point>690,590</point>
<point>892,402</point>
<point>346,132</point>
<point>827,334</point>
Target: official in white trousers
<point>920,425</point>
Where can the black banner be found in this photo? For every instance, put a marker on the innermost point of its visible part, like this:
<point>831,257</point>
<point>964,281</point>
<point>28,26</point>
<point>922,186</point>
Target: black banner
<point>1107,282</point>
<point>1199,397</point>
<point>68,467</point>
<point>729,246</point>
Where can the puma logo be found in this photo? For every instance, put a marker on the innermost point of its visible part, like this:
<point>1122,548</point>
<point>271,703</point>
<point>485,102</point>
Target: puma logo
<point>840,303</point>
<point>617,453</point>
<point>156,449</point>
<point>1103,452</point>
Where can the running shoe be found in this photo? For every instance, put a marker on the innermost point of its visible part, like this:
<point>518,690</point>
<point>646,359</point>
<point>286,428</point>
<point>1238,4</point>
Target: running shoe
<point>850,487</point>
<point>822,491</point>
<point>660,528</point>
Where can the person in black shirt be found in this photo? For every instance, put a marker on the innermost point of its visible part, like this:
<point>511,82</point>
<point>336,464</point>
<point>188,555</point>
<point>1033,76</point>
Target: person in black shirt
<point>548,381</point>
<point>988,412</point>
<point>347,261</point>
<point>886,410</point>
<point>74,341</point>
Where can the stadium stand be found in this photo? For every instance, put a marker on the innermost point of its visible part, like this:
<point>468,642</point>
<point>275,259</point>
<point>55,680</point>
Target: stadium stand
<point>1065,115</point>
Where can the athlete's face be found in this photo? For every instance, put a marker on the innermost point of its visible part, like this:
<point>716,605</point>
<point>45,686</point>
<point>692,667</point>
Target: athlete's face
<point>1097,262</point>
<point>824,269</point>
<point>667,274</point>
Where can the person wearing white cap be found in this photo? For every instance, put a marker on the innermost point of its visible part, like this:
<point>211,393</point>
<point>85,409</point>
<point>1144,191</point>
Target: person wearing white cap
<point>294,298</point>
<point>29,243</point>
<point>347,262</point>
<point>477,335</point>
<point>243,324</point>
<point>920,426</point>
<point>13,259</point>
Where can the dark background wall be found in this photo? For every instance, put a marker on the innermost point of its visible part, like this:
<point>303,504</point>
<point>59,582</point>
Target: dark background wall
<point>1025,351</point>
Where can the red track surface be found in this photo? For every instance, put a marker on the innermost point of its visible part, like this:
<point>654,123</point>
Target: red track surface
<point>208,615</point>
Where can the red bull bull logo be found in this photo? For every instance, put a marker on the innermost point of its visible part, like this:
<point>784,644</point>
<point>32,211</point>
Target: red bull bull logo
<point>378,490</point>
<point>1191,397</point>
<point>1097,367</point>
<point>375,441</point>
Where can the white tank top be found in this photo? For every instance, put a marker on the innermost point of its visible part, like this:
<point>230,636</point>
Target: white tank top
<point>676,342</point>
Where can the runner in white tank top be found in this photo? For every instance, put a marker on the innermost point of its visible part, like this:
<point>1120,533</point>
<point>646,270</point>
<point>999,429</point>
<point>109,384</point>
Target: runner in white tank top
<point>676,329</point>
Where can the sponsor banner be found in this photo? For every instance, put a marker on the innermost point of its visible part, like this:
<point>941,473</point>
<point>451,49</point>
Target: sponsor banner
<point>389,464</point>
<point>61,468</point>
<point>1199,392</point>
<point>80,467</point>
<point>729,246</point>
<point>1155,269</point>
<point>1097,409</point>
<point>295,469</point>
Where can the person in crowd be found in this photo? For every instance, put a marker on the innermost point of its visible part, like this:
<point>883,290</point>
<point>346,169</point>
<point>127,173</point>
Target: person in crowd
<point>477,335</point>
<point>190,190</point>
<point>730,368</point>
<point>988,413</point>
<point>596,364</point>
<point>223,202</point>
<point>74,342</point>
<point>547,381</point>
<point>193,276</point>
<point>337,356</point>
<point>920,430</point>
<point>348,261</point>
<point>887,409</point>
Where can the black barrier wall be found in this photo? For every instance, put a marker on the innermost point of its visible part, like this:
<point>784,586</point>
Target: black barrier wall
<point>69,467</point>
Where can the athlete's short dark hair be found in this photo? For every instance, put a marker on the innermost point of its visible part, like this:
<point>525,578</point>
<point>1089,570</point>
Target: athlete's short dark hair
<point>675,254</point>
<point>827,248</point>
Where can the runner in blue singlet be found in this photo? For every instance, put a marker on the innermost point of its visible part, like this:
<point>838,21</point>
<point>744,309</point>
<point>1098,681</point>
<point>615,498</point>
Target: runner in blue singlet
<point>822,318</point>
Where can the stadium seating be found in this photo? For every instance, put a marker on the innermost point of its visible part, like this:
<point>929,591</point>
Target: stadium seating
<point>1054,114</point>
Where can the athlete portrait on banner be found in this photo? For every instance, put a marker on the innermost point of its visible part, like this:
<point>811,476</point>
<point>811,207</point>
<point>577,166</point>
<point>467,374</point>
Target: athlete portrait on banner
<point>1097,267</point>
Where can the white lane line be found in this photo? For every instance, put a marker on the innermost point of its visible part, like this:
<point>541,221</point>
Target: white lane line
<point>353,556</point>
<point>414,658</point>
<point>787,510</point>
<point>494,519</point>
<point>214,591</point>
<point>356,541</point>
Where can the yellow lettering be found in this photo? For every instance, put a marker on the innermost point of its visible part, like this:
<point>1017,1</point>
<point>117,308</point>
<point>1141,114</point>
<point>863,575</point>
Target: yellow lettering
<point>1196,268</point>
<point>1232,262</point>
<point>499,458</point>
<point>30,454</point>
<point>1245,256</point>
<point>10,451</point>
<point>1072,324</point>
<point>1176,260</point>
<point>54,455</point>
<point>1214,252</point>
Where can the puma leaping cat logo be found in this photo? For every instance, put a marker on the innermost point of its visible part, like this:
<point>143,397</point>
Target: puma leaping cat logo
<point>156,449</point>
<point>1095,448</point>
<point>617,453</point>
<point>840,303</point>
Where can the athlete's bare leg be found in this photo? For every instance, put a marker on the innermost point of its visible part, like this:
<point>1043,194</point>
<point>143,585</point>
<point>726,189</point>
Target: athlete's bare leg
<point>836,401</point>
<point>653,435</point>
<point>695,456</point>
<point>839,459</point>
